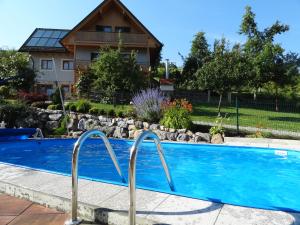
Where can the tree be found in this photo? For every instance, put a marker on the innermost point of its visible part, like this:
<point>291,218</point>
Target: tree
<point>85,83</point>
<point>15,71</point>
<point>259,48</point>
<point>174,72</point>
<point>115,73</point>
<point>198,56</point>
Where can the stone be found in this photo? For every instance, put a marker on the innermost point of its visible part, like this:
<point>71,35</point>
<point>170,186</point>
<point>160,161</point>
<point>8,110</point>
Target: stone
<point>146,125</point>
<point>130,122</point>
<point>117,133</point>
<point>154,127</point>
<point>51,125</point>
<point>197,139</point>
<point>73,124</point>
<point>161,134</point>
<point>131,134</point>
<point>172,136</point>
<point>43,116</point>
<point>217,139</point>
<point>55,117</point>
<point>109,131</point>
<point>172,130</point>
<point>122,124</point>
<point>76,134</point>
<point>190,133</point>
<point>181,131</point>
<point>137,133</point>
<point>138,124</point>
<point>183,137</point>
<point>162,128</point>
<point>131,127</point>
<point>204,136</point>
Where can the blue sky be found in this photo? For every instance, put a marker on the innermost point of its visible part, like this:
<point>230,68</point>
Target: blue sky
<point>174,23</point>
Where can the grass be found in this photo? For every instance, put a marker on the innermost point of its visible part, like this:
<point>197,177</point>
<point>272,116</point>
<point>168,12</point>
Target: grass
<point>107,107</point>
<point>260,118</point>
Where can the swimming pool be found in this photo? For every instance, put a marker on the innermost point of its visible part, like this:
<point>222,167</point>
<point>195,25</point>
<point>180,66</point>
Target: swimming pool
<point>254,177</point>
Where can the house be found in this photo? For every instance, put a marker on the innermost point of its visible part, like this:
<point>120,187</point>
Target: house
<point>58,55</point>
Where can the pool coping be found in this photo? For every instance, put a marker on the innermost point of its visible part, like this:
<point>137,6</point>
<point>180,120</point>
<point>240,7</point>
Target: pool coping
<point>108,203</point>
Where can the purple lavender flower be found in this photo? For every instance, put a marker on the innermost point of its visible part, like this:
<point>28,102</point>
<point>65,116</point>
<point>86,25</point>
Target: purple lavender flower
<point>148,104</point>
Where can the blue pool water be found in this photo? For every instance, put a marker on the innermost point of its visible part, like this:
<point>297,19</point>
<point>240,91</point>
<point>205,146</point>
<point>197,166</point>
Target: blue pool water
<point>254,177</point>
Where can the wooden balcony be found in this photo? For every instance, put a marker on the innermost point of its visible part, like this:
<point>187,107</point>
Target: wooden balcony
<point>96,38</point>
<point>84,64</point>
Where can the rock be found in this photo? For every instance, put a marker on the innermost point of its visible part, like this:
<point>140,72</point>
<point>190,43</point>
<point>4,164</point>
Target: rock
<point>137,133</point>
<point>130,122</point>
<point>162,128</point>
<point>73,124</point>
<point>131,127</point>
<point>190,133</point>
<point>146,125</point>
<point>204,136</point>
<point>172,130</point>
<point>51,125</point>
<point>172,136</point>
<point>181,131</point>
<point>217,139</point>
<point>122,124</point>
<point>131,134</point>
<point>55,117</point>
<point>154,127</point>
<point>161,134</point>
<point>183,137</point>
<point>120,132</point>
<point>76,134</point>
<point>43,116</point>
<point>197,139</point>
<point>109,131</point>
<point>138,124</point>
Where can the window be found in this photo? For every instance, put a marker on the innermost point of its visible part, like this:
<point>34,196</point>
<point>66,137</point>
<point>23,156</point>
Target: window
<point>103,28</point>
<point>66,89</point>
<point>46,64</point>
<point>122,29</point>
<point>68,65</point>
<point>94,56</point>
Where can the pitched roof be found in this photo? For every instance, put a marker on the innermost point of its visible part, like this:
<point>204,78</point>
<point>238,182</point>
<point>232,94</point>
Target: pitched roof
<point>44,40</point>
<point>98,8</point>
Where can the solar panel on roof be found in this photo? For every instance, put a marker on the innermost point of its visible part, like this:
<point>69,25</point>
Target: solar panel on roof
<point>42,42</point>
<point>38,33</point>
<point>63,33</point>
<point>32,42</point>
<point>51,42</point>
<point>56,34</point>
<point>48,33</point>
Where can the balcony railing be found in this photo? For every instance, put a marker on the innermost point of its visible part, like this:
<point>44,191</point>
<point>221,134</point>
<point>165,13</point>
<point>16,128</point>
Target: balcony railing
<point>84,64</point>
<point>89,37</point>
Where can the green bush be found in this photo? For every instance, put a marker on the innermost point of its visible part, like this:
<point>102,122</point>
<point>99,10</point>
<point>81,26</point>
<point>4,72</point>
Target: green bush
<point>41,105</point>
<point>83,106</point>
<point>94,111</point>
<point>62,129</point>
<point>102,112</point>
<point>177,118</point>
<point>55,97</point>
<point>4,91</point>
<point>218,128</point>
<point>11,112</point>
<point>55,107</point>
<point>111,113</point>
<point>120,114</point>
<point>72,107</point>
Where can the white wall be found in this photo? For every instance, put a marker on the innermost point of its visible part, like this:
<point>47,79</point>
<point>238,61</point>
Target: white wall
<point>48,76</point>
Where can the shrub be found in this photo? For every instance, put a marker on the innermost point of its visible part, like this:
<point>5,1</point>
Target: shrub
<point>177,118</point>
<point>218,128</point>
<point>4,91</point>
<point>55,107</point>
<point>41,105</point>
<point>11,112</point>
<point>62,129</point>
<point>72,107</point>
<point>148,105</point>
<point>102,112</point>
<point>111,113</point>
<point>55,97</point>
<point>32,97</point>
<point>120,114</point>
<point>83,106</point>
<point>94,111</point>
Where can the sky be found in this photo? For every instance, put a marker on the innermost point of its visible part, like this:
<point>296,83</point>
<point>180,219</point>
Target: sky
<point>173,22</point>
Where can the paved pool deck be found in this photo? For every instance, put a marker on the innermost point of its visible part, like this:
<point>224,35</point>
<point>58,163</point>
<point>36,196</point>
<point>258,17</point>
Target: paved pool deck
<point>108,204</point>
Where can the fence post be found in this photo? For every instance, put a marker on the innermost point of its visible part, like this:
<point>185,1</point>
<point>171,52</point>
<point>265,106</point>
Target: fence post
<point>237,114</point>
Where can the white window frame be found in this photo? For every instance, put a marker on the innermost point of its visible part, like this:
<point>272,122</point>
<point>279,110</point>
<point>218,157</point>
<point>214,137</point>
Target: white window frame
<point>48,59</point>
<point>62,64</point>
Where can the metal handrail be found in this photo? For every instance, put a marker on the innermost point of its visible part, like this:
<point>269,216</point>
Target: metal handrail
<point>132,171</point>
<point>76,150</point>
<point>39,133</point>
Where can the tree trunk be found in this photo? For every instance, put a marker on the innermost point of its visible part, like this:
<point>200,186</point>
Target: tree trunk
<point>276,100</point>
<point>219,106</point>
<point>208,96</point>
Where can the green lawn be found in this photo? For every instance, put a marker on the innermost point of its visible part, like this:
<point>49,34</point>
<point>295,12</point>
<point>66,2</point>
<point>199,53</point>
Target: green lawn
<point>107,107</point>
<point>250,117</point>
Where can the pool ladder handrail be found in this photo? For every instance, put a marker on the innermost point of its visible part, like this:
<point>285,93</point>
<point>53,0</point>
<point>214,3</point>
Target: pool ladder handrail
<point>132,171</point>
<point>39,133</point>
<point>74,220</point>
